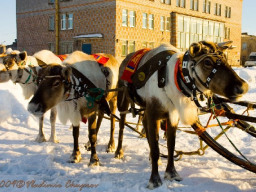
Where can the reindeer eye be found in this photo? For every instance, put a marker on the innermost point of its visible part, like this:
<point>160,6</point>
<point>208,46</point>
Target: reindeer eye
<point>56,83</point>
<point>208,63</point>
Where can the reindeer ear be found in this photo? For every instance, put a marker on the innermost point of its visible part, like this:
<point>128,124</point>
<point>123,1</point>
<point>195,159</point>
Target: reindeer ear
<point>23,55</point>
<point>225,45</point>
<point>66,73</point>
<point>41,63</point>
<point>195,49</point>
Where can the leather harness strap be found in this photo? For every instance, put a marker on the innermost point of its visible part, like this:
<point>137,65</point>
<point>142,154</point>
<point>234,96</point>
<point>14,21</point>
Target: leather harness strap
<point>157,62</point>
<point>84,88</point>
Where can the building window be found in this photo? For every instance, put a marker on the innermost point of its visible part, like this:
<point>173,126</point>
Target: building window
<point>70,21</point>
<point>168,2</point>
<point>168,24</point>
<point>144,20</point>
<point>191,29</point>
<point>227,33</point>
<point>217,9</point>
<point>244,46</point>
<point>151,21</point>
<point>228,12</point>
<point>63,22</point>
<point>144,44</point>
<point>131,46</point>
<point>124,48</point>
<point>162,23</point>
<point>66,47</point>
<point>151,45</point>
<point>194,5</point>
<point>51,47</point>
<point>206,6</point>
<point>181,3</point>
<point>51,23</point>
<point>132,18</point>
<point>124,17</point>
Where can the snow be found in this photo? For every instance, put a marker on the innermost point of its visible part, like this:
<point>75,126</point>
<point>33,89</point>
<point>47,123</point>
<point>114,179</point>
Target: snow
<point>26,165</point>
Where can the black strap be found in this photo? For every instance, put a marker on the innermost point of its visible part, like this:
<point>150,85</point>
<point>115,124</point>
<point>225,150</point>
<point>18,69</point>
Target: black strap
<point>85,84</point>
<point>140,77</point>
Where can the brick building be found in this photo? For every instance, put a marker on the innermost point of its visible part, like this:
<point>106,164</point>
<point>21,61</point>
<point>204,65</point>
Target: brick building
<point>248,46</point>
<point>122,26</point>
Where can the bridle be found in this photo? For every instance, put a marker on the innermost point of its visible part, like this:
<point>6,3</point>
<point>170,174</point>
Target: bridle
<point>190,89</point>
<point>31,72</point>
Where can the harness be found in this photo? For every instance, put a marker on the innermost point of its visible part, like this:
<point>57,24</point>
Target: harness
<point>140,76</point>
<point>85,88</point>
<point>31,72</point>
<point>186,83</point>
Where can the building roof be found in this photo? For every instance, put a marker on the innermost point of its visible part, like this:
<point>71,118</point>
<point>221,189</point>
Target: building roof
<point>89,36</point>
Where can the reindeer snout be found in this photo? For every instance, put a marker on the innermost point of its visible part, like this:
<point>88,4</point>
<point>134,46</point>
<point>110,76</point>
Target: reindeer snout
<point>35,109</point>
<point>241,89</point>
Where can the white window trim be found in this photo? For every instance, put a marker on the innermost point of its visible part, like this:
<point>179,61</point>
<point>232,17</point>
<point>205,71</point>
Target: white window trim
<point>151,21</point>
<point>70,20</point>
<point>125,15</point>
<point>63,21</point>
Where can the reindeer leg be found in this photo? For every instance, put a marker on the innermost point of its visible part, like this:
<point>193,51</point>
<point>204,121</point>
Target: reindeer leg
<point>76,155</point>
<point>53,115</point>
<point>92,127</point>
<point>122,104</point>
<point>171,173</point>
<point>99,120</point>
<point>111,143</point>
<point>152,132</point>
<point>40,137</point>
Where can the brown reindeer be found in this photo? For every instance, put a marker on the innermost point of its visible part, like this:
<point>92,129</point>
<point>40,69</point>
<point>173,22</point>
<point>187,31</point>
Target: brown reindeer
<point>202,70</point>
<point>67,86</point>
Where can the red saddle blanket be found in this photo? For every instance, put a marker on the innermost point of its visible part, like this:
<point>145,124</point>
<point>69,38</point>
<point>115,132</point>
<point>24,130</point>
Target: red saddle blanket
<point>133,64</point>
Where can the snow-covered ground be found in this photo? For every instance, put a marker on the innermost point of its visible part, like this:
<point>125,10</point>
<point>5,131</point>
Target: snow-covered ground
<point>26,165</point>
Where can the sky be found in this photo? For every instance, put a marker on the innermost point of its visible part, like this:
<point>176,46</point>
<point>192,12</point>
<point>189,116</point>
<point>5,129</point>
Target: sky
<point>8,31</point>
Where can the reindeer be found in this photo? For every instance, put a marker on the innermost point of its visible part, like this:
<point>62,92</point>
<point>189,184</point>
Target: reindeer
<point>202,70</point>
<point>22,69</point>
<point>72,87</point>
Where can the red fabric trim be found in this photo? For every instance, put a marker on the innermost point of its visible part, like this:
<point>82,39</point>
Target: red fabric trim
<point>62,57</point>
<point>133,64</point>
<point>100,59</point>
<point>176,71</point>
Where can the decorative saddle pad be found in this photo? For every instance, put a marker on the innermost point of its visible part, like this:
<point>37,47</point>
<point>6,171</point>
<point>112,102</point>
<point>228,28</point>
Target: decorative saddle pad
<point>132,65</point>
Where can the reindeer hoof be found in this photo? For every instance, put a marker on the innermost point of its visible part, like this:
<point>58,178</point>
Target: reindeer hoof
<point>172,176</point>
<point>75,157</point>
<point>119,154</point>
<point>40,139</point>
<point>154,182</point>
<point>53,140</point>
<point>111,147</point>
<point>94,161</point>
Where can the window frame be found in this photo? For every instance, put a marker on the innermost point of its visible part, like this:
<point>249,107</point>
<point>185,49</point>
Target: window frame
<point>63,25</point>
<point>125,18</point>
<point>132,19</point>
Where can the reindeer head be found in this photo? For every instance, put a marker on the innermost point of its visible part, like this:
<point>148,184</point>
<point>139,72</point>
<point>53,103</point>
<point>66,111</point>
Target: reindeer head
<point>10,63</point>
<point>212,72</point>
<point>53,87</point>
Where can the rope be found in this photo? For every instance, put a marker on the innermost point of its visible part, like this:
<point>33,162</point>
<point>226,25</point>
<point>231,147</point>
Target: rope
<point>30,74</point>
<point>92,99</point>
<point>213,107</point>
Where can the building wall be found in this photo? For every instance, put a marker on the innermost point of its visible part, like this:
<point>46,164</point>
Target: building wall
<point>138,34</point>
<point>105,16</point>
<point>248,45</point>
<point>32,24</point>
